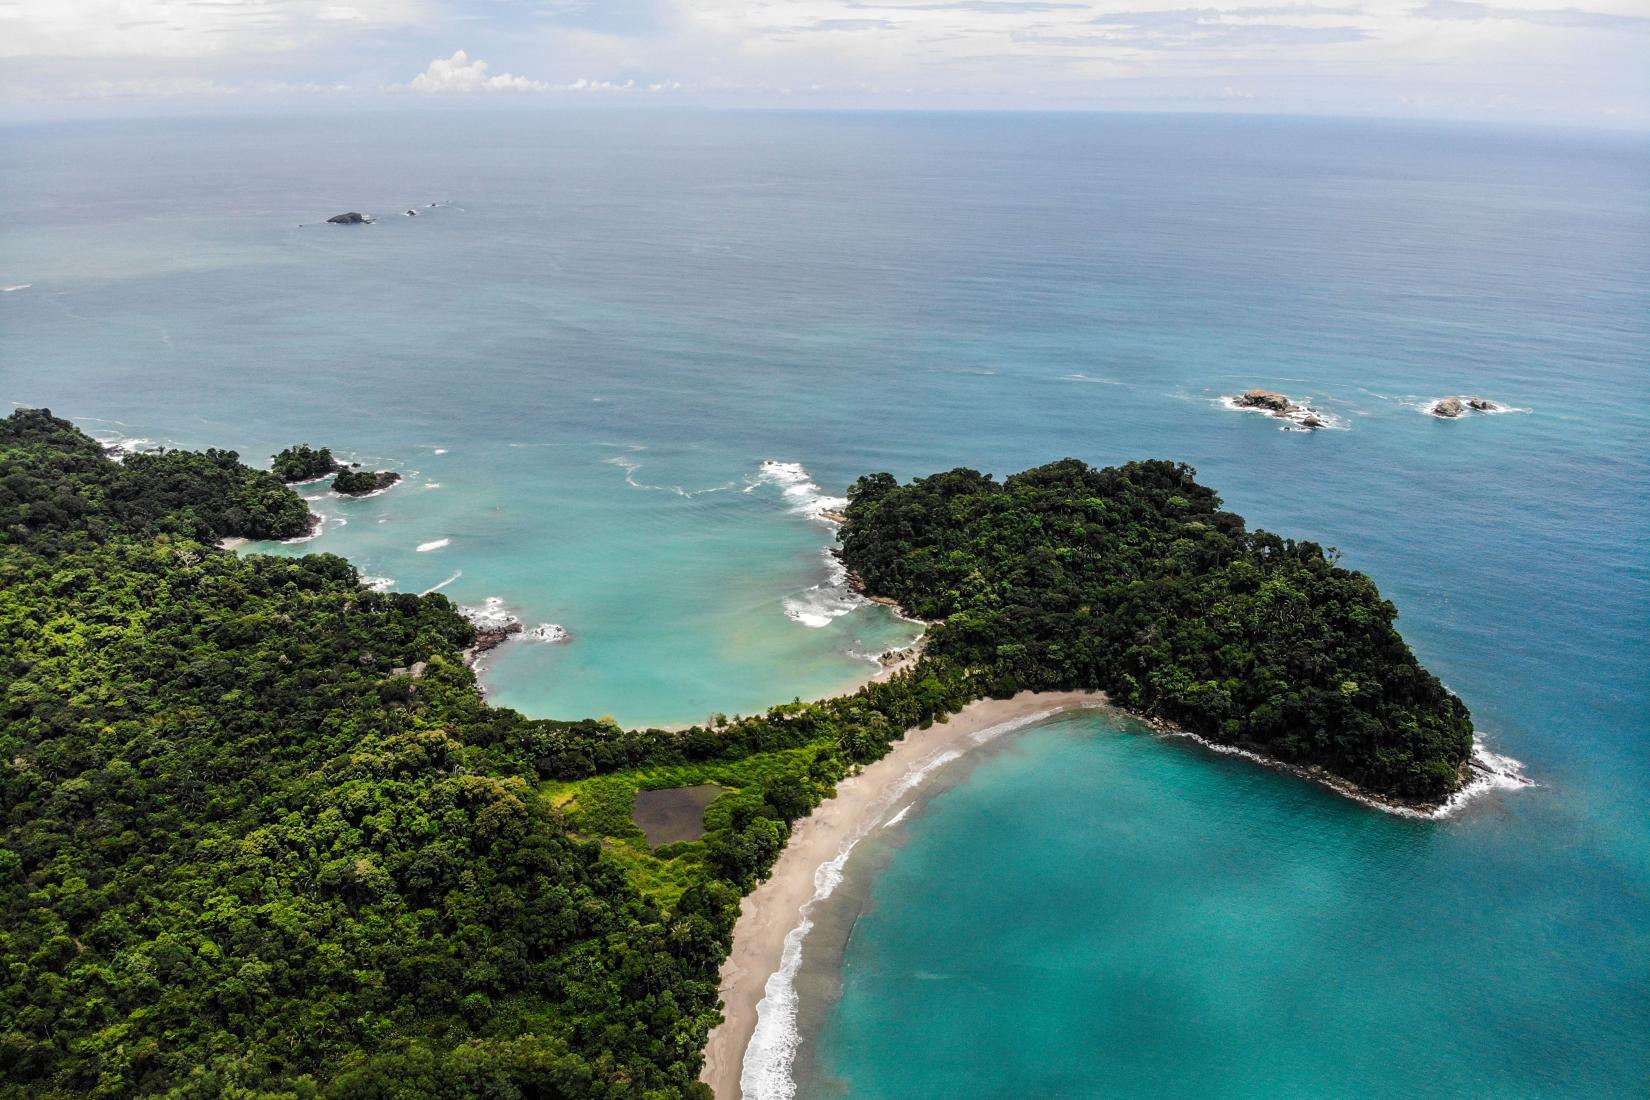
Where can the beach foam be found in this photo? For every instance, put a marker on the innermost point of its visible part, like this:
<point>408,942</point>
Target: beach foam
<point>830,599</point>
<point>765,1073</point>
<point>433,544</point>
<point>379,584</point>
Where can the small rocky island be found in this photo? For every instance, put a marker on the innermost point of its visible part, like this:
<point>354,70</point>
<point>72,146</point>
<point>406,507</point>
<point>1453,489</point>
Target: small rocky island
<point>304,463</point>
<point>353,482</point>
<point>354,217</point>
<point>1279,406</point>
<point>1449,408</point>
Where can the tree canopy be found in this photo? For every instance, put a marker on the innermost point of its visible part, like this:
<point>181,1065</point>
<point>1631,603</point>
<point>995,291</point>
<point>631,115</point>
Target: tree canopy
<point>1133,580</point>
<point>246,851</point>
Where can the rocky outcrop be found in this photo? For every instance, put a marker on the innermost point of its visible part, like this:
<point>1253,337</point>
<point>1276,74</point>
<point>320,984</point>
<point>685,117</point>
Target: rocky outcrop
<point>1303,417</point>
<point>492,636</point>
<point>411,213</point>
<point>1264,399</point>
<point>354,217</point>
<point>1451,407</point>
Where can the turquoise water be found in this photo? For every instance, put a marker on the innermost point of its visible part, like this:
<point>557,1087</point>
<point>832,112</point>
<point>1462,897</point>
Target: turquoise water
<point>620,317</point>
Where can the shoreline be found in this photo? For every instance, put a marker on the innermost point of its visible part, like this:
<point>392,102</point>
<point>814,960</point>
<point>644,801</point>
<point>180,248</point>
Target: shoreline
<point>773,917</point>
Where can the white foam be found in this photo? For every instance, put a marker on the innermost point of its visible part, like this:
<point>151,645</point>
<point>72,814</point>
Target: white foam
<point>457,573</point>
<point>14,287</point>
<point>1491,772</point>
<point>318,527</point>
<point>491,615</point>
<point>832,598</point>
<point>439,451</point>
<point>375,492</point>
<point>804,496</point>
<point>766,1071</point>
<point>897,818</point>
<point>548,632</point>
<point>432,485</point>
<point>1079,377</point>
<point>379,584</point>
<point>118,445</point>
<point>1425,405</point>
<point>433,544</point>
<point>630,466</point>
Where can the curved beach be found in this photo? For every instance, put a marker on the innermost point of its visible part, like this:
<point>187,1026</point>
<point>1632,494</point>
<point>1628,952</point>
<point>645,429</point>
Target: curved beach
<point>776,907</point>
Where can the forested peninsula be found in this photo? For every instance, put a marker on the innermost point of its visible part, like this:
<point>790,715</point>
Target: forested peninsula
<point>244,854</point>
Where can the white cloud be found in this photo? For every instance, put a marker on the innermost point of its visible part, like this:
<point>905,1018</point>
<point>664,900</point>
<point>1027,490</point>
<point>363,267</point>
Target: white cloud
<point>459,74</point>
<point>189,28</point>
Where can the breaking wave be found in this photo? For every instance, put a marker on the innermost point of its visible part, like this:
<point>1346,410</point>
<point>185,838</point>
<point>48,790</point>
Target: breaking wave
<point>830,599</point>
<point>804,496</point>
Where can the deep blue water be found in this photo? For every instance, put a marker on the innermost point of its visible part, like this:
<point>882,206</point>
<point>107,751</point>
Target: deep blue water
<point>693,294</point>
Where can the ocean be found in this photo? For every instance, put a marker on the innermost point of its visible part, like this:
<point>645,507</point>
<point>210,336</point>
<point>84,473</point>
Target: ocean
<point>626,359</point>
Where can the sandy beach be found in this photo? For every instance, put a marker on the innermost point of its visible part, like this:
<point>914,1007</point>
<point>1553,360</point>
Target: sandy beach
<point>774,908</point>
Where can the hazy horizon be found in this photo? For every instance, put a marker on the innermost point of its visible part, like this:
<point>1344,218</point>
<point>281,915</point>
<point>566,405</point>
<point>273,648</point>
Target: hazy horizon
<point>1422,59</point>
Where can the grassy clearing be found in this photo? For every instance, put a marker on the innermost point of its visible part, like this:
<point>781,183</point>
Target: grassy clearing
<point>601,808</point>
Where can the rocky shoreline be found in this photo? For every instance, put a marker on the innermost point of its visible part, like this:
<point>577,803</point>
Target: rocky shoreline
<point>1481,771</point>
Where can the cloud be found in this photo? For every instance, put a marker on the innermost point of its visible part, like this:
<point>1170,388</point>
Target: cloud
<point>459,74</point>
<point>1462,10</point>
<point>853,25</point>
<point>1202,28</point>
<point>982,7</point>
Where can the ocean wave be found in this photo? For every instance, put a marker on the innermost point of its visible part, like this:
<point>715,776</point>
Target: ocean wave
<point>832,598</point>
<point>433,544</point>
<point>630,466</point>
<point>457,573</point>
<point>117,445</point>
<point>805,497</point>
<point>439,451</point>
<point>14,287</point>
<point>1491,771</point>
<point>1079,377</point>
<point>379,584</point>
<point>317,528</point>
<point>897,818</point>
<point>548,632</point>
<point>491,615</point>
<point>432,485</point>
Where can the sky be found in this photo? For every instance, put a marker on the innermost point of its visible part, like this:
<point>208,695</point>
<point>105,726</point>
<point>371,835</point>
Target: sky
<point>1511,60</point>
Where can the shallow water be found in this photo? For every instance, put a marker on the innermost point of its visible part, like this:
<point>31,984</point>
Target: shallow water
<point>584,360</point>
